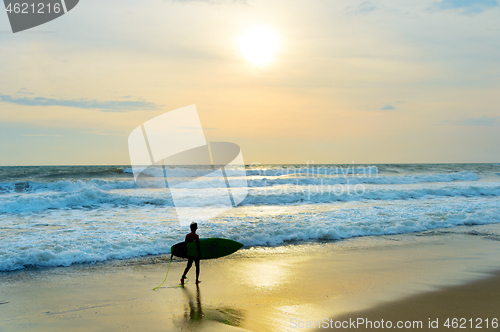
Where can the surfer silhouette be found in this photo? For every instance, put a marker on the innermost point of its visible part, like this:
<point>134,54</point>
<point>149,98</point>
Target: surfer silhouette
<point>190,238</point>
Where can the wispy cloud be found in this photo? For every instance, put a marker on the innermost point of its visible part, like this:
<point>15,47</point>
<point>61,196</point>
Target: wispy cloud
<point>466,6</point>
<point>106,106</point>
<point>24,92</point>
<point>213,2</point>
<point>109,133</point>
<point>196,128</point>
<point>40,135</point>
<point>482,121</point>
<point>363,8</point>
<point>386,108</point>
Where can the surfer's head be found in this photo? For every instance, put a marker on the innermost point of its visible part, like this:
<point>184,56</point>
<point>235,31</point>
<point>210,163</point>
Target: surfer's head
<point>193,226</point>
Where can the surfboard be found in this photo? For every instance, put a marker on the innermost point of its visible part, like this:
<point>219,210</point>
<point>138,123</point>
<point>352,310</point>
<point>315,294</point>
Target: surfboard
<point>209,247</point>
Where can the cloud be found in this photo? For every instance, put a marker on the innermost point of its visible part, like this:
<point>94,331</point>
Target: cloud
<point>196,128</point>
<point>466,6</point>
<point>213,2</point>
<point>105,106</point>
<point>482,121</point>
<point>387,108</point>
<point>24,92</point>
<point>41,135</point>
<point>363,8</point>
<point>109,133</point>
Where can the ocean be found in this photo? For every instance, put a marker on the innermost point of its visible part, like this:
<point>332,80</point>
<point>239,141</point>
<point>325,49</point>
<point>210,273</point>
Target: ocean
<point>62,215</point>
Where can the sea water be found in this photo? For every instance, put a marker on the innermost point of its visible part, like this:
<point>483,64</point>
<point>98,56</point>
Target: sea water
<point>62,215</point>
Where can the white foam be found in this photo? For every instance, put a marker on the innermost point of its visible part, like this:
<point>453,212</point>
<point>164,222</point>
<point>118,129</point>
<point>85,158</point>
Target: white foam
<point>90,196</point>
<point>362,179</point>
<point>58,238</point>
<point>255,181</point>
<point>63,222</point>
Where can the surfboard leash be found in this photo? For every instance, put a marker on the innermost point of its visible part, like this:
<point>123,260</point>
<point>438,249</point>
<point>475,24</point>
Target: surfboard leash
<point>187,279</point>
<point>171,257</point>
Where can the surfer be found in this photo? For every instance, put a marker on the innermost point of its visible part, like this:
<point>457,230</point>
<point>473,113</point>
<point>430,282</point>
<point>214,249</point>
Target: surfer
<point>190,238</point>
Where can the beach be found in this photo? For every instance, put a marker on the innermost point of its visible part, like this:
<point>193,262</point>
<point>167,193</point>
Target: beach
<point>444,273</point>
<point>334,164</point>
<point>338,162</point>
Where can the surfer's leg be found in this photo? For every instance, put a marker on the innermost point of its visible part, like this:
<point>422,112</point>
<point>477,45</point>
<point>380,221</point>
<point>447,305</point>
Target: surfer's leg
<point>197,264</point>
<point>190,263</point>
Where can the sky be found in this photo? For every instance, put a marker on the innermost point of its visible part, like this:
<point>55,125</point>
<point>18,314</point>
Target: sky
<point>413,81</point>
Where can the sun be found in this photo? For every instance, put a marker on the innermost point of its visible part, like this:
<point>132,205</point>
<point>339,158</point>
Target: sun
<point>259,44</point>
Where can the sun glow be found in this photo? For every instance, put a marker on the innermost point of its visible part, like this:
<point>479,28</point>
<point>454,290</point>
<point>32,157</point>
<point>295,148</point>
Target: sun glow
<point>259,44</point>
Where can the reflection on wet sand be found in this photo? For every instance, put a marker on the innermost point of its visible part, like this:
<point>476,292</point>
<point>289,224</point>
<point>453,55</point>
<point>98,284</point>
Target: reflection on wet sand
<point>195,315</point>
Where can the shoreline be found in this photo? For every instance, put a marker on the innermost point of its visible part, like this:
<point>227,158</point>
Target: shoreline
<point>258,289</point>
<point>165,257</point>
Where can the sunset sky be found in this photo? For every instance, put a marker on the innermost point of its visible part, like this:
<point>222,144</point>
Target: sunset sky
<point>391,81</point>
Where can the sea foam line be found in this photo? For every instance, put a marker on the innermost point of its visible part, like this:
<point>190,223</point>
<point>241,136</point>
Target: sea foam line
<point>253,181</point>
<point>101,240</point>
<point>276,195</point>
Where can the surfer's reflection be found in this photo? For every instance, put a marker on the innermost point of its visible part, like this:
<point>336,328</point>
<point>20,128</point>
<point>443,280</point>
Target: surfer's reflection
<point>195,311</point>
<point>195,316</point>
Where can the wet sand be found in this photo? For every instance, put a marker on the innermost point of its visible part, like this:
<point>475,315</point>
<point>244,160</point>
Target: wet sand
<point>473,306</point>
<point>267,289</point>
